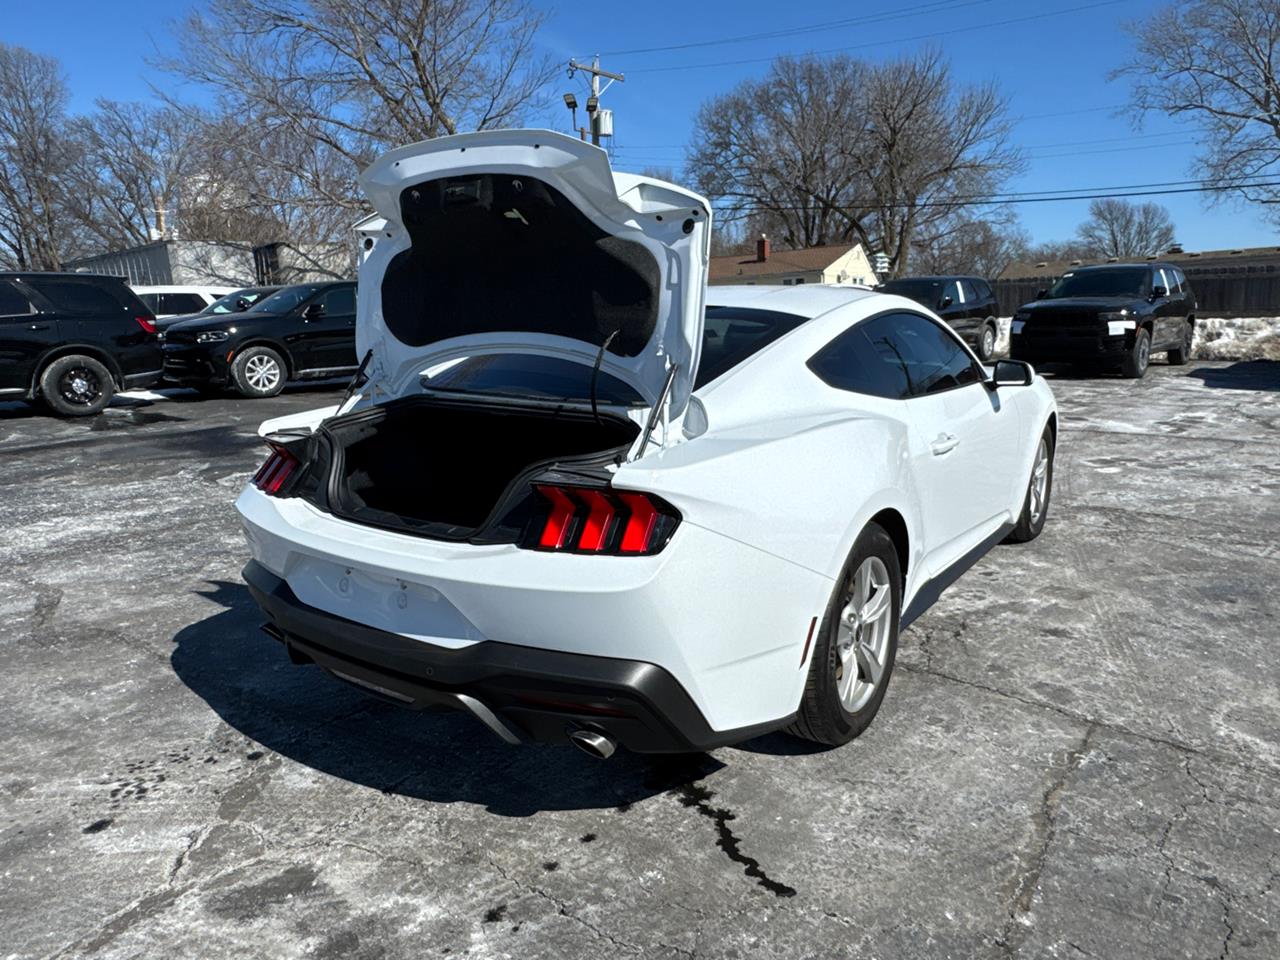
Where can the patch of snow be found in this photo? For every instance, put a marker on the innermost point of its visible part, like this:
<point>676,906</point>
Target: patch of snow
<point>1242,338</point>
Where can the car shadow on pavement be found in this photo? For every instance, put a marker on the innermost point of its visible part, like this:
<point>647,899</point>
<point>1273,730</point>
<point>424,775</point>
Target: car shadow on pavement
<point>1245,375</point>
<point>311,718</point>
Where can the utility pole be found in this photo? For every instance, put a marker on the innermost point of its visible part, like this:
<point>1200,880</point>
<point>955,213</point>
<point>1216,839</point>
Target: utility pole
<point>593,102</point>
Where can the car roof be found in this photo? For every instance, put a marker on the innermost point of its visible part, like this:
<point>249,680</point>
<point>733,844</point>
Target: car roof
<point>1119,266</point>
<point>807,300</point>
<point>939,277</point>
<point>56,274</point>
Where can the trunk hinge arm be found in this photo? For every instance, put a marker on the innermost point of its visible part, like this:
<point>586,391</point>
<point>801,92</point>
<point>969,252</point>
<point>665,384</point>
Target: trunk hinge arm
<point>661,411</point>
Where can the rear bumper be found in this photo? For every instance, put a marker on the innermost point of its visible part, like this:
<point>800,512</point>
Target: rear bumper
<point>726,623</point>
<point>522,693</point>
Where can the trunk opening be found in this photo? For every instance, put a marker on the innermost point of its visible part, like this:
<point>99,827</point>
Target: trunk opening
<point>441,468</point>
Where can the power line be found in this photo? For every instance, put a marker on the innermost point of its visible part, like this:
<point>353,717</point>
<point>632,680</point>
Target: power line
<point>1003,201</point>
<point>935,6</point>
<point>880,43</point>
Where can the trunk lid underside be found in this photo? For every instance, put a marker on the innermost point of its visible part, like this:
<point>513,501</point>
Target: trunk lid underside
<point>526,241</point>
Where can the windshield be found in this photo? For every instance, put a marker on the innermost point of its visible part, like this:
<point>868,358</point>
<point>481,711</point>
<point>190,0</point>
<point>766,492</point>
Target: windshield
<point>1122,282</point>
<point>282,301</point>
<point>731,334</point>
<point>924,292</point>
<point>229,303</point>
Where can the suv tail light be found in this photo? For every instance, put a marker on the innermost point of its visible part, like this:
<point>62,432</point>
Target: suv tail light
<point>276,472</point>
<point>600,521</point>
<point>147,324</point>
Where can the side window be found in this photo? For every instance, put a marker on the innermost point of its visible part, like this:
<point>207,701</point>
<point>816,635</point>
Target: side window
<point>952,289</point>
<point>180,303</point>
<point>340,301</point>
<point>79,297</point>
<point>981,290</point>
<point>1182,280</point>
<point>970,291</point>
<point>152,300</point>
<point>854,361</point>
<point>12,302</point>
<point>932,358</point>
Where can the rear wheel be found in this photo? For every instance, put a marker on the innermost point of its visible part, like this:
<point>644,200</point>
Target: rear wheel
<point>987,342</point>
<point>258,372</point>
<point>856,646</point>
<point>1181,354</point>
<point>1135,362</point>
<point>76,386</point>
<point>1035,507</point>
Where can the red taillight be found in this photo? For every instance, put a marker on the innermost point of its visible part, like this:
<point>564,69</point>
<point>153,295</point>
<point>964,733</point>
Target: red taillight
<point>147,324</point>
<point>602,521</point>
<point>272,475</point>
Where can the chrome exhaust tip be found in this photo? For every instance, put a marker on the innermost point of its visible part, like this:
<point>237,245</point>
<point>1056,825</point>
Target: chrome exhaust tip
<point>592,742</point>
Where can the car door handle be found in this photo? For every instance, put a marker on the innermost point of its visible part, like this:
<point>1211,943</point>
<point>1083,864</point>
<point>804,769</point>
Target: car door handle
<point>945,443</point>
<point>38,326</point>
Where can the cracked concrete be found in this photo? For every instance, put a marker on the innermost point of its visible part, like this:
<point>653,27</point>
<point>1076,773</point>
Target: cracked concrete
<point>1080,754</point>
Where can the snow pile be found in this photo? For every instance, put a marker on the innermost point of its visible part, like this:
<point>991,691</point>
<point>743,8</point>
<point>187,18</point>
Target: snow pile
<point>1246,338</point>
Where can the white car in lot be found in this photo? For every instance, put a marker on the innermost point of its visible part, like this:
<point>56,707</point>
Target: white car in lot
<point>589,499</point>
<point>172,301</point>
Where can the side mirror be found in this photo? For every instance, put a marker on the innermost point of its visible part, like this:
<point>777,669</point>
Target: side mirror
<point>1012,373</point>
<point>242,304</point>
<point>1041,293</point>
<point>314,311</point>
<point>944,303</point>
<point>1158,293</point>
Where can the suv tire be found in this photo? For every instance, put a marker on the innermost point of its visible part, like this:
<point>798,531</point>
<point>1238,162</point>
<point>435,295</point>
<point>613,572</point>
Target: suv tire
<point>258,372</point>
<point>1135,362</point>
<point>1181,354</point>
<point>987,340</point>
<point>77,386</point>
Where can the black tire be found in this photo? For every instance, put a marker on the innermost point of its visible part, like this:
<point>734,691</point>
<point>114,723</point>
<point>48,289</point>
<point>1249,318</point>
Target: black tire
<point>76,386</point>
<point>987,339</point>
<point>249,372</point>
<point>1180,355</point>
<point>1030,523</point>
<point>822,716</point>
<point>1138,358</point>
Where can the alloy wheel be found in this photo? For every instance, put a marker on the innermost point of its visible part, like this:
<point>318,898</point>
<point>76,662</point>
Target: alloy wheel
<point>862,635</point>
<point>1040,481</point>
<point>80,385</point>
<point>262,373</point>
<point>988,343</point>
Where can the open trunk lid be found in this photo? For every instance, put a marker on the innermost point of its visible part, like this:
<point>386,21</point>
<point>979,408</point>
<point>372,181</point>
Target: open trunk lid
<point>526,241</point>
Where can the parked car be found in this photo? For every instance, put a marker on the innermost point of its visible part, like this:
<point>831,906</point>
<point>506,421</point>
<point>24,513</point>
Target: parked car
<point>1115,315</point>
<point>237,301</point>
<point>171,301</point>
<point>580,505</point>
<point>966,303</point>
<point>306,331</point>
<point>73,340</point>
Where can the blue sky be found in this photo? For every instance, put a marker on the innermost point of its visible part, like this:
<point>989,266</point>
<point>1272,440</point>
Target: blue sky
<point>1053,68</point>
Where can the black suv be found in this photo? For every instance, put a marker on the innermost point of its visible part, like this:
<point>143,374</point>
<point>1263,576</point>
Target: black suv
<point>966,303</point>
<point>307,331</point>
<point>235,302</point>
<point>1114,315</point>
<point>73,340</point>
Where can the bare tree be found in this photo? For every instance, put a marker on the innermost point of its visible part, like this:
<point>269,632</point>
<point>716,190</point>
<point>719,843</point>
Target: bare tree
<point>966,245</point>
<point>1217,63</point>
<point>835,150</point>
<point>1118,228</point>
<point>34,151</point>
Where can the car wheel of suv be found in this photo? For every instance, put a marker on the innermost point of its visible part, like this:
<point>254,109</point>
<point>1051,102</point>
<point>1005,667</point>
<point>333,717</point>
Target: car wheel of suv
<point>258,372</point>
<point>856,645</point>
<point>76,386</point>
<point>1035,508</point>
<point>1135,363</point>
<point>987,342</point>
<point>1180,355</point>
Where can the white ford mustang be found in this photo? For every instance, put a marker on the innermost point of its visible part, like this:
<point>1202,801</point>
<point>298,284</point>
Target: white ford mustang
<point>590,499</point>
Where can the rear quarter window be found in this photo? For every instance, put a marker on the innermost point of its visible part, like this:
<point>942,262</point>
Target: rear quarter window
<point>853,362</point>
<point>732,334</point>
<point>86,298</point>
